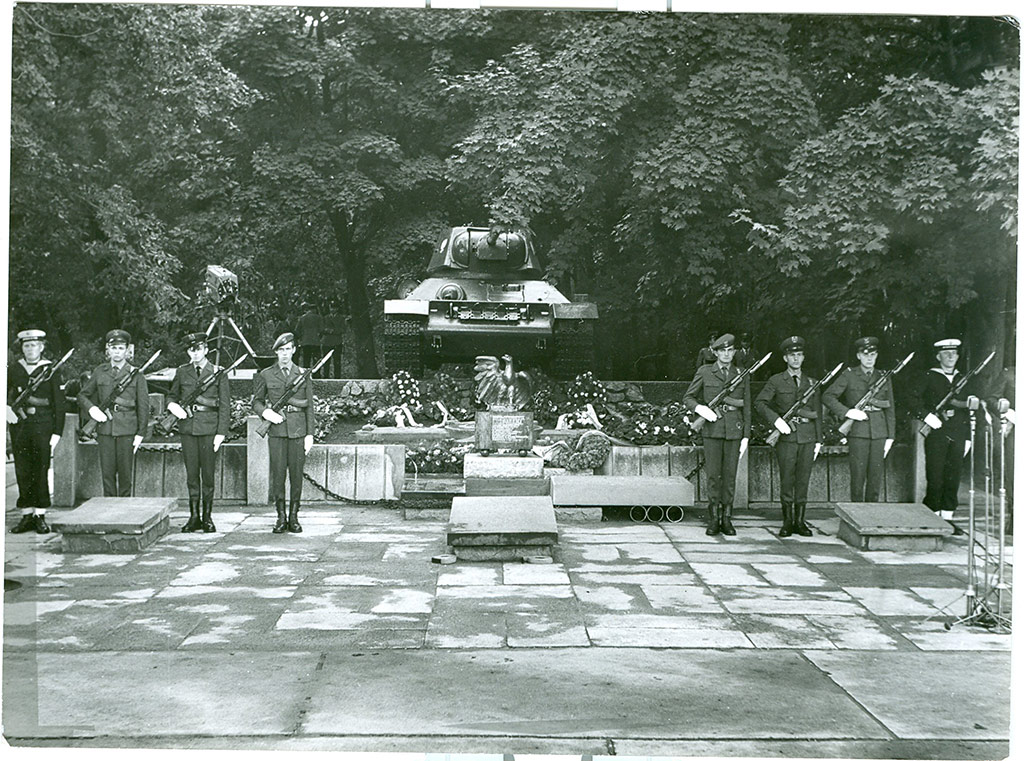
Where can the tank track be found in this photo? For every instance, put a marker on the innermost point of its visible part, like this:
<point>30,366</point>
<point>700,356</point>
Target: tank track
<point>574,348</point>
<point>402,346</point>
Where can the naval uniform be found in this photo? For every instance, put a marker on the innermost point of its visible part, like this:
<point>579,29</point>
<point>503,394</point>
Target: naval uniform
<point>944,447</point>
<point>130,416</point>
<point>866,438</point>
<point>208,415</point>
<point>286,444</point>
<point>30,436</point>
<point>794,451</point>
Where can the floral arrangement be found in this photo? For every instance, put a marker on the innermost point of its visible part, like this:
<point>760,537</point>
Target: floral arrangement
<point>436,457</point>
<point>443,388</point>
<point>404,389</point>
<point>589,451</point>
<point>586,390</point>
<point>644,423</point>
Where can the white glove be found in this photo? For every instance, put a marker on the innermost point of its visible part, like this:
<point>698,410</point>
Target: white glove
<point>272,417</point>
<point>1010,417</point>
<point>307,443</point>
<point>967,447</point>
<point>176,409</point>
<point>12,416</point>
<point>54,438</point>
<point>817,450</point>
<point>706,412</point>
<point>932,421</point>
<point>218,439</point>
<point>887,447</point>
<point>743,446</point>
<point>972,402</point>
<point>782,426</point>
<point>1003,406</point>
<point>97,414</point>
<point>854,414</point>
<point>136,443</point>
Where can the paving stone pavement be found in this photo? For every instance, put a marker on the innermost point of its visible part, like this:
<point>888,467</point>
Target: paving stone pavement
<point>639,638</point>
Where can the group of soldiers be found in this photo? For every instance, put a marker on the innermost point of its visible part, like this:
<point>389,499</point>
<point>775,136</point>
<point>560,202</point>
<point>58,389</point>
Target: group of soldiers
<point>116,398</point>
<point>792,403</point>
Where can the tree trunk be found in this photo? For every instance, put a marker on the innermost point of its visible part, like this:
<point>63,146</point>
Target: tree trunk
<point>358,299</point>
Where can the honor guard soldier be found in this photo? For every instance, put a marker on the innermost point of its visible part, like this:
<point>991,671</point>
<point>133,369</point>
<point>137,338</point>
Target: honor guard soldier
<point>202,425</point>
<point>874,427</point>
<point>726,433</point>
<point>945,446</point>
<point>118,437</point>
<point>35,429</point>
<point>291,430</point>
<point>800,437</point>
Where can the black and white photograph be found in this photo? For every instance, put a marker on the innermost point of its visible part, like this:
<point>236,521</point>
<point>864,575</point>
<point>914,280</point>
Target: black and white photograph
<point>565,380</point>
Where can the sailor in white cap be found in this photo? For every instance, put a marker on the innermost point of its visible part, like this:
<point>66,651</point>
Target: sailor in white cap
<point>945,448</point>
<point>35,428</point>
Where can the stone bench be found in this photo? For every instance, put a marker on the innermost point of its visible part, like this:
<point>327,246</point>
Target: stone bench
<point>591,493</point>
<point>900,526</point>
<point>114,524</point>
<point>502,528</point>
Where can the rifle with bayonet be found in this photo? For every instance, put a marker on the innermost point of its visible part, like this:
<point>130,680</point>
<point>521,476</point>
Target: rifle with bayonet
<point>90,426</point>
<point>167,420</point>
<point>773,437</point>
<point>293,386</point>
<point>731,386</point>
<point>35,381</point>
<point>873,389</point>
<point>956,389</point>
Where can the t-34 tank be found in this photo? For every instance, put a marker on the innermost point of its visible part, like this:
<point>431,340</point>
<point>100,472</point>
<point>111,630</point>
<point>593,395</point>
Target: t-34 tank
<point>485,294</point>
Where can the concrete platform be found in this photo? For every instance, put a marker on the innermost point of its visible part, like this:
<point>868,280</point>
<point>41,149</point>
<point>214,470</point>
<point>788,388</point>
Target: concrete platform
<point>899,526</point>
<point>114,524</point>
<point>501,528</point>
<point>612,491</point>
<point>475,465</point>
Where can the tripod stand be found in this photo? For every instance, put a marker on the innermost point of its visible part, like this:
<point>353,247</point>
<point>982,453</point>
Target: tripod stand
<point>980,609</point>
<point>222,341</point>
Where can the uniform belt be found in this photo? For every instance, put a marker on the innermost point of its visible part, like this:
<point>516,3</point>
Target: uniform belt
<point>872,408</point>
<point>800,420</point>
<point>729,407</point>
<point>293,408</point>
<point>204,408</point>
<point>33,401</point>
<point>122,408</point>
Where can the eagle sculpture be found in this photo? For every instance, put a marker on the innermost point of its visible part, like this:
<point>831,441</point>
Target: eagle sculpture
<point>498,385</point>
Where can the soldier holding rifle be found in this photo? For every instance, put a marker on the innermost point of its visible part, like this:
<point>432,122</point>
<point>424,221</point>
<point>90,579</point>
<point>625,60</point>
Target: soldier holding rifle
<point>727,431</point>
<point>945,407</point>
<point>797,432</point>
<point>863,396</point>
<point>116,398</point>
<point>289,388</point>
<point>35,418</point>
<point>201,401</point>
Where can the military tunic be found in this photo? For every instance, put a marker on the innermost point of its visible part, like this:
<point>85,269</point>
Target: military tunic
<point>943,448</point>
<point>866,438</point>
<point>794,451</point>
<point>722,437</point>
<point>286,439</point>
<point>129,417</point>
<point>208,415</point>
<point>30,437</point>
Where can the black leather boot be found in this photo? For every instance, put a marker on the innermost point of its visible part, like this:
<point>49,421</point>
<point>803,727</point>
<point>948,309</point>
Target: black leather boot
<point>42,527</point>
<point>282,518</point>
<point>727,528</point>
<point>293,518</point>
<point>787,519</point>
<point>193,524</point>
<point>27,523</point>
<point>798,520</point>
<point>714,518</point>
<point>208,527</point>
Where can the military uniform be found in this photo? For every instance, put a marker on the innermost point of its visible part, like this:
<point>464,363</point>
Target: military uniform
<point>40,417</point>
<point>286,440</point>
<point>208,416</point>
<point>129,418</point>
<point>723,436</point>
<point>866,438</point>
<point>794,451</point>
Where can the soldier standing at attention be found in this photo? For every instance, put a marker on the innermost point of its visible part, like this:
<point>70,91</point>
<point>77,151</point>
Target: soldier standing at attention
<point>726,434</point>
<point>203,425</point>
<point>34,432</point>
<point>800,438</point>
<point>291,430</point>
<point>874,427</point>
<point>944,448</point>
<point>118,437</point>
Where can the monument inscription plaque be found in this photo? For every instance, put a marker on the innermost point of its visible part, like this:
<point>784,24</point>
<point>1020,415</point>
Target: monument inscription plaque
<point>504,429</point>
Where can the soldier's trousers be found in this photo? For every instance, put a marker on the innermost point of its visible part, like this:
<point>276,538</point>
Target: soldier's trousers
<point>199,461</point>
<point>31,445</point>
<point>795,463</point>
<point>116,461</point>
<point>720,459</point>
<point>866,463</point>
<point>286,455</point>
<point>943,463</point>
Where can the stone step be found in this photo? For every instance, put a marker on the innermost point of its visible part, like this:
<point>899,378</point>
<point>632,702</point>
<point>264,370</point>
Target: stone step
<point>433,485</point>
<point>900,526</point>
<point>611,491</point>
<point>114,524</point>
<point>501,528</point>
<point>507,487</point>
